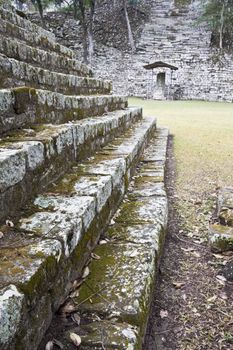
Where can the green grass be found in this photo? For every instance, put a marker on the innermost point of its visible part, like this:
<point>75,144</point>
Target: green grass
<point>203,141</point>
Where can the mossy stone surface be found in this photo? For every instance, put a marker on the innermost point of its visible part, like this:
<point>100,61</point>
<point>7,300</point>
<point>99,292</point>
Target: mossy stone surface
<point>124,277</point>
<point>144,210</point>
<point>225,206</point>
<point>120,336</point>
<point>220,238</point>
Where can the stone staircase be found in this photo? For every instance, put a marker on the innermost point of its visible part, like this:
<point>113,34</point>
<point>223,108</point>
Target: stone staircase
<point>175,35</point>
<point>72,155</point>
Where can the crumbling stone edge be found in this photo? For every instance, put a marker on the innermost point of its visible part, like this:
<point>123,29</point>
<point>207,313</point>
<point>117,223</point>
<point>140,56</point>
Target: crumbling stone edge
<point>116,296</point>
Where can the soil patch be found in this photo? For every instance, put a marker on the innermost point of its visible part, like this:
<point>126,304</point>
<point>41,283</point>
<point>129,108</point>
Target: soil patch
<point>192,304</point>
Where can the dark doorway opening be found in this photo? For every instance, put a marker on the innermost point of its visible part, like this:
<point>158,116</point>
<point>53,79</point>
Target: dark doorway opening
<point>161,80</point>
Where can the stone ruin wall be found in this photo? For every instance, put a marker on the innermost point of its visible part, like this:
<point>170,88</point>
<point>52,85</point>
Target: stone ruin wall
<point>171,35</point>
<point>73,159</point>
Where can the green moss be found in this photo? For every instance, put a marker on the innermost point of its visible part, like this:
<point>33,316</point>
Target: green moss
<point>129,213</point>
<point>65,185</point>
<point>142,180</point>
<point>107,275</point>
<point>182,3</point>
<point>222,237</point>
<point>24,89</point>
<point>223,244</point>
<point>226,217</point>
<point>37,283</point>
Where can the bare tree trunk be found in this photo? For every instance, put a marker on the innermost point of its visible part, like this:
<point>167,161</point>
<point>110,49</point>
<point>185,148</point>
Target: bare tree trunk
<point>75,5</point>
<point>90,32</point>
<point>130,34</point>
<point>40,8</point>
<point>90,46</point>
<point>85,30</point>
<point>221,26</point>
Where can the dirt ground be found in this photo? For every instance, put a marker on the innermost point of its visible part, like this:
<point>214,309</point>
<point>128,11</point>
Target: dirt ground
<point>192,307</point>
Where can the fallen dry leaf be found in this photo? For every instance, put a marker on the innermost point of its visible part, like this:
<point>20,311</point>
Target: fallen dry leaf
<point>218,256</point>
<point>58,343</point>
<point>77,283</point>
<point>103,241</point>
<point>191,234</point>
<point>95,256</point>
<point>178,285</point>
<point>9,223</point>
<point>212,299</point>
<point>221,279</point>
<point>187,250</point>
<point>86,272</point>
<point>75,338</point>
<point>223,296</point>
<point>196,254</point>
<point>49,345</point>
<point>68,308</point>
<point>163,313</point>
<point>194,310</point>
<point>112,222</point>
<point>74,294</point>
<point>76,318</point>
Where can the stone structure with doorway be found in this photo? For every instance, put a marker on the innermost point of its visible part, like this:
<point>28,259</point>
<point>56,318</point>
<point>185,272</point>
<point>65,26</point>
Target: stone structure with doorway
<point>160,80</point>
<point>68,152</point>
<point>172,35</point>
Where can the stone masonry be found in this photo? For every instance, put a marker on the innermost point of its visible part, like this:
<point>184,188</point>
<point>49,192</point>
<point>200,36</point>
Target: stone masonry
<point>77,167</point>
<point>172,35</point>
<point>221,232</point>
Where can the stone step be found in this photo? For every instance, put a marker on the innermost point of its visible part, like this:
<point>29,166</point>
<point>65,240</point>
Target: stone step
<point>30,159</point>
<point>50,245</point>
<point>221,233</point>
<point>114,301</point>
<point>220,238</point>
<point>21,28</point>
<point>26,106</point>
<point>225,206</point>
<point>13,48</point>
<point>17,73</point>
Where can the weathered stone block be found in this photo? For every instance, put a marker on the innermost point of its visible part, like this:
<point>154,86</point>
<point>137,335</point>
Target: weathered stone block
<point>11,302</point>
<point>34,154</point>
<point>51,60</point>
<point>6,101</point>
<point>121,336</point>
<point>225,206</point>
<point>12,167</point>
<point>97,186</point>
<point>153,210</point>
<point>47,151</point>
<point>30,267</point>
<point>25,30</point>
<point>125,276</point>
<point>220,238</point>
<point>20,73</point>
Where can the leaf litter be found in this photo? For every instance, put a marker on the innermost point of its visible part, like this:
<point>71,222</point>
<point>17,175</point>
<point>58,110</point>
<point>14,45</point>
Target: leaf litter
<point>192,288</point>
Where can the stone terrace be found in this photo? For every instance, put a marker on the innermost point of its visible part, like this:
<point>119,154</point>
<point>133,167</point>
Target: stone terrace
<point>71,156</point>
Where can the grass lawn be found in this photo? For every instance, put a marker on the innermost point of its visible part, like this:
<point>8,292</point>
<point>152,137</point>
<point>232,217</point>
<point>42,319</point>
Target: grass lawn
<point>203,141</point>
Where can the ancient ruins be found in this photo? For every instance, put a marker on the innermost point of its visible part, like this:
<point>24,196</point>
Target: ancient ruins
<point>74,159</point>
